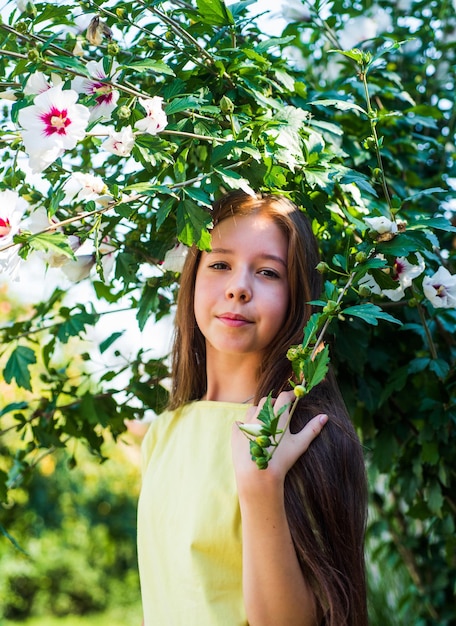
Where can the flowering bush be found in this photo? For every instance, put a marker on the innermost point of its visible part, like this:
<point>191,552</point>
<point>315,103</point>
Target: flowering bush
<point>135,115</point>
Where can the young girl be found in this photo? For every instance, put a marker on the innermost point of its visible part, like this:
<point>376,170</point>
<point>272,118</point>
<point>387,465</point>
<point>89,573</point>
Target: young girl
<point>221,542</point>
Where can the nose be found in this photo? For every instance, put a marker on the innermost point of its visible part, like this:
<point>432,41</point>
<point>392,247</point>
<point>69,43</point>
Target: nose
<point>238,287</point>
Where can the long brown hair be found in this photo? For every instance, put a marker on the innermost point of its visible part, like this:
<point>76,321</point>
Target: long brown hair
<point>325,491</point>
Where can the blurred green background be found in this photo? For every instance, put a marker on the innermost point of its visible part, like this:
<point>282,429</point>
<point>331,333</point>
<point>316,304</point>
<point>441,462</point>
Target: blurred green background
<point>75,531</point>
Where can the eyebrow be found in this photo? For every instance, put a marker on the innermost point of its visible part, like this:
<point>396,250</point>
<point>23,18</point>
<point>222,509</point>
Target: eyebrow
<point>265,255</point>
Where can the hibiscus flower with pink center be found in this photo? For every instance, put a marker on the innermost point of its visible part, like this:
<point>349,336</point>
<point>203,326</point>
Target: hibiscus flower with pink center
<point>98,86</point>
<point>53,124</point>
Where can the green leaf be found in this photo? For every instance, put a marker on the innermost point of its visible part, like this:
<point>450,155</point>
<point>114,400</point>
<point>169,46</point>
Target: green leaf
<point>370,313</point>
<point>435,498</point>
<point>233,180</point>
<point>3,488</point>
<point>45,242</point>
<point>10,538</point>
<point>182,104</point>
<point>343,105</point>
<point>14,406</point>
<point>150,64</point>
<point>214,13</point>
<point>441,223</point>
<point>18,365</point>
<point>148,303</point>
<point>107,343</point>
<point>355,54</point>
<point>75,325</point>
<point>440,367</point>
<point>192,225</point>
<point>274,41</point>
<point>368,265</point>
<point>73,63</point>
<point>314,370</point>
<point>311,328</point>
<point>200,196</point>
<point>270,418</point>
<point>404,243</point>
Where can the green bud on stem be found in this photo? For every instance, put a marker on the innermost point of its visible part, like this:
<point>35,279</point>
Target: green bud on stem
<point>262,462</point>
<point>263,441</point>
<point>299,391</point>
<point>226,105</point>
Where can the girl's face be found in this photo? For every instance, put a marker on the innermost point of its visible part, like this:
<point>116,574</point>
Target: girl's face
<point>241,289</point>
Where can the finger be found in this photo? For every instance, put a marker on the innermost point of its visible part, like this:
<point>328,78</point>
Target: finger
<point>303,439</point>
<point>285,397</point>
<point>253,411</point>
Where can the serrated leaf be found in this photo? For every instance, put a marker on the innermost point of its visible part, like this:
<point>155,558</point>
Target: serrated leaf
<point>441,223</point>
<point>311,328</point>
<point>46,242</point>
<point>182,104</point>
<point>192,225</point>
<point>314,370</point>
<point>440,367</point>
<point>370,313</point>
<point>214,12</point>
<point>18,366</point>
<point>150,64</point>
<point>270,418</point>
<point>198,195</point>
<point>233,180</point>
<point>75,325</point>
<point>73,63</point>
<point>384,280</point>
<point>342,105</point>
<point>404,243</point>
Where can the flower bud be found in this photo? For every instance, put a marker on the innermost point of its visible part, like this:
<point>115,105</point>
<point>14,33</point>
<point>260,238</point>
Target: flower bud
<point>263,441</point>
<point>33,55</point>
<point>293,354</point>
<point>299,391</point>
<point>21,27</point>
<point>330,307</point>
<point>360,257</point>
<point>226,105</point>
<point>251,429</point>
<point>124,112</point>
<point>255,451</point>
<point>322,267</point>
<point>113,48</point>
<point>262,462</point>
<point>365,291</point>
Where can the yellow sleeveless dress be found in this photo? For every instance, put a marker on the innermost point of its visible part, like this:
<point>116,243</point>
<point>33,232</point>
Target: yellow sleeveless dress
<point>189,526</point>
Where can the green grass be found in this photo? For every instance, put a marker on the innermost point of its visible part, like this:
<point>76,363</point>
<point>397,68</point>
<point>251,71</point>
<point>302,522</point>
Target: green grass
<point>118,616</point>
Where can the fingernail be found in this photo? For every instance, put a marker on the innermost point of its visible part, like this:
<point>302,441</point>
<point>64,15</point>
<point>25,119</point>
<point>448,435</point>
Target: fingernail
<point>323,419</point>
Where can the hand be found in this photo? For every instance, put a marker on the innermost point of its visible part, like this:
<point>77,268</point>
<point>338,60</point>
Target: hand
<point>291,447</point>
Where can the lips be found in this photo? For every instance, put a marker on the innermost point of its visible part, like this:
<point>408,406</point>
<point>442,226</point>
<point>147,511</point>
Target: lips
<point>233,319</point>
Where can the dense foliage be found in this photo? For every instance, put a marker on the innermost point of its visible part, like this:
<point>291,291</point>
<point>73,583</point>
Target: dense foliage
<point>77,538</point>
<point>134,115</point>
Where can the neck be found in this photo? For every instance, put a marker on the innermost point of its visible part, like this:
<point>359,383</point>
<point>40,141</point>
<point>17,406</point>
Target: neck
<point>231,379</point>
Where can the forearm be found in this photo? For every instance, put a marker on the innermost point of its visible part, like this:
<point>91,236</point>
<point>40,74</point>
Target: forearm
<point>275,591</point>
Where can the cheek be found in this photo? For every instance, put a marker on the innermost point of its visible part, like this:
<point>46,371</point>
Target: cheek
<point>279,308</point>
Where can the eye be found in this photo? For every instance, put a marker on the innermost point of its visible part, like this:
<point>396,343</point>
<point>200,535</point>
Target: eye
<point>269,273</point>
<point>219,265</point>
